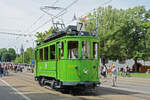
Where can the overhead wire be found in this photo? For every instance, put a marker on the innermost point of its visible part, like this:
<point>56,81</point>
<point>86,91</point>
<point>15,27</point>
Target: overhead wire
<point>40,16</point>
<point>26,34</point>
<point>92,10</point>
<point>57,16</point>
<point>15,34</point>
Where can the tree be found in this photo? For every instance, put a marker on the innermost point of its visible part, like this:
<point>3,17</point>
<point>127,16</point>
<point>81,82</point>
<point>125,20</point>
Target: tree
<point>110,22</point>
<point>123,34</point>
<point>18,59</point>
<point>28,55</point>
<point>6,57</point>
<point>136,45</point>
<point>12,53</point>
<point>40,36</point>
<point>3,50</point>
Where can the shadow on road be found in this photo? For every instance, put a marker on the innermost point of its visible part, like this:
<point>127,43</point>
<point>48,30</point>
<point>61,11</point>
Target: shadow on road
<point>108,91</point>
<point>97,92</point>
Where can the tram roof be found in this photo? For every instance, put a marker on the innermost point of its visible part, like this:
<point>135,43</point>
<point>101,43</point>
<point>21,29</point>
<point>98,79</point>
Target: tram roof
<point>70,30</point>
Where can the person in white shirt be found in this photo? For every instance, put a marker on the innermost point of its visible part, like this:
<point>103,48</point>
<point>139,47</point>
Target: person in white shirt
<point>114,75</point>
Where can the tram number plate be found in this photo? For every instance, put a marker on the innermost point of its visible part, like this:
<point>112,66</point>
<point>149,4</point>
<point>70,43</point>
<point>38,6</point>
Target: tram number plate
<point>80,26</point>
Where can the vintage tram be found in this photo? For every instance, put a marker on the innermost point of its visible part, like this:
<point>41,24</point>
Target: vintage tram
<point>68,58</point>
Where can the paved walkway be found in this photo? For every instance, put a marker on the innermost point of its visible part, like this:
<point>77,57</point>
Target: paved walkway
<point>133,84</point>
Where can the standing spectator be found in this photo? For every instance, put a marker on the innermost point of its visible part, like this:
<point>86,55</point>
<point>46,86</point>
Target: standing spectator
<point>1,70</point>
<point>122,71</point>
<point>104,71</point>
<point>101,70</point>
<point>18,67</point>
<point>4,69</point>
<point>11,67</point>
<point>15,68</point>
<point>114,75</point>
<point>109,70</point>
<point>32,69</point>
<point>127,70</point>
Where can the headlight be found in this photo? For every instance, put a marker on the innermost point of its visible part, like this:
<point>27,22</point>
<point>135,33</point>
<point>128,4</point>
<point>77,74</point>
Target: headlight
<point>85,71</point>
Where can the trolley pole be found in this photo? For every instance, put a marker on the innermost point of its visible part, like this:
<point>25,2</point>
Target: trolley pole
<point>33,51</point>
<point>22,53</point>
<point>96,23</point>
<point>23,57</point>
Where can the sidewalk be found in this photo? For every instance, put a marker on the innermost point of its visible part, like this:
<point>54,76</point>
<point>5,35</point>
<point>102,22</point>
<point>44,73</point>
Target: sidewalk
<point>133,84</point>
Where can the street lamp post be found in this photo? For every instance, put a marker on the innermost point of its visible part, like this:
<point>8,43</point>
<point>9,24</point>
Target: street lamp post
<point>22,53</point>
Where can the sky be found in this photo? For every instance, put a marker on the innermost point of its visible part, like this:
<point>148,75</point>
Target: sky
<point>25,16</point>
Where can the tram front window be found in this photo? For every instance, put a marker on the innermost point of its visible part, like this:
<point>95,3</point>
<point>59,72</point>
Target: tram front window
<point>85,50</point>
<point>73,49</point>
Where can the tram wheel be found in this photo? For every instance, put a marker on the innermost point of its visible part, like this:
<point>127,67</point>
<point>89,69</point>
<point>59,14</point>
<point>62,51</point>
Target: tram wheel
<point>53,84</point>
<point>41,81</point>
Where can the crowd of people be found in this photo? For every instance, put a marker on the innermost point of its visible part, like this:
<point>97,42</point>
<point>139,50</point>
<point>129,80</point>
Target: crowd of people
<point>113,71</point>
<point>5,68</point>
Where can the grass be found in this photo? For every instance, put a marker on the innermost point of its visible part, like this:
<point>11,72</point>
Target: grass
<point>143,75</point>
<point>140,75</point>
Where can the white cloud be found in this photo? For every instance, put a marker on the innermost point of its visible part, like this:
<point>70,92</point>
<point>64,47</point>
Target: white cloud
<point>10,12</point>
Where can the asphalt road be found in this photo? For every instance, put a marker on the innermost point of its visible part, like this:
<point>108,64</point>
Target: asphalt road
<point>7,93</point>
<point>21,86</point>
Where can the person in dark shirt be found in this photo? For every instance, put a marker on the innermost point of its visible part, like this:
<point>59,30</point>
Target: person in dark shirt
<point>1,70</point>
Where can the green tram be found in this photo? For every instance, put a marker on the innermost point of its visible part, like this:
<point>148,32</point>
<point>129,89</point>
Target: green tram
<point>68,58</point>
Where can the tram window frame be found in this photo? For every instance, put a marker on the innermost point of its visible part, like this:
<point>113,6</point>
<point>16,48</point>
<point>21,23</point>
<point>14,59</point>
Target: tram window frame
<point>61,50</point>
<point>53,51</point>
<point>41,54</point>
<point>46,53</point>
<point>85,51</point>
<point>95,51</point>
<point>73,50</point>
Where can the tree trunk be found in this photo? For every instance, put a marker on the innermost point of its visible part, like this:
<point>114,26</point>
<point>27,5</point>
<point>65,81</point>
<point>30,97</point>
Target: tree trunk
<point>103,60</point>
<point>135,65</point>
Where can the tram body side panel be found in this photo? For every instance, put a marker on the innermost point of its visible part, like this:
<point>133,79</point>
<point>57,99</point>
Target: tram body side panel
<point>78,71</point>
<point>46,68</point>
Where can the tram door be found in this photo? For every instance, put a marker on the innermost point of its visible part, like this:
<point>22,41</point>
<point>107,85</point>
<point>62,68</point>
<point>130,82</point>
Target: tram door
<point>36,56</point>
<point>60,57</point>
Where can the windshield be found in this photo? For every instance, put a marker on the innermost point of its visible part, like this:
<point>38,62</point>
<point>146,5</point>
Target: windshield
<point>85,50</point>
<point>73,49</point>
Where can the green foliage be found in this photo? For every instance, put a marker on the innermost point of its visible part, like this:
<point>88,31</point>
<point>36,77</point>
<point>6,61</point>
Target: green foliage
<point>123,34</point>
<point>12,53</point>
<point>28,55</point>
<point>7,55</point>
<point>40,36</point>
<point>3,50</point>
<point>18,59</point>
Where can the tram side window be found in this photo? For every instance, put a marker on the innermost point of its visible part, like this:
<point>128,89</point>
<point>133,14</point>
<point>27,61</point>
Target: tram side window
<point>85,50</point>
<point>73,49</point>
<point>95,50</point>
<point>61,50</point>
<point>52,52</point>
<point>41,54</point>
<point>46,53</point>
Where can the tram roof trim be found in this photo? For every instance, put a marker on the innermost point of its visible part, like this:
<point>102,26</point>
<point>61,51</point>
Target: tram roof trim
<point>70,30</point>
